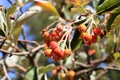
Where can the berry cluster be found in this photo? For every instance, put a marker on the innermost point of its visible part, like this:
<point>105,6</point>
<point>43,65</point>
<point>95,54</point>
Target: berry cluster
<point>67,75</point>
<point>52,41</point>
<point>87,37</point>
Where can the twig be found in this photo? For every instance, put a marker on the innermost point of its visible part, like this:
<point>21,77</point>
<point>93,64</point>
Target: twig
<point>83,71</point>
<point>19,67</point>
<point>14,53</point>
<point>37,48</point>
<point>28,41</point>
<point>83,64</point>
<point>101,74</point>
<point>10,2</point>
<point>4,69</point>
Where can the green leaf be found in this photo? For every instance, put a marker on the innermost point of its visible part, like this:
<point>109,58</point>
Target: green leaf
<point>10,10</point>
<point>116,55</point>
<point>116,23</point>
<point>3,25</point>
<point>95,3</point>
<point>116,10</point>
<point>25,17</point>
<point>16,34</point>
<point>108,5</point>
<point>31,74</point>
<point>80,10</point>
<point>76,41</point>
<point>110,21</point>
<point>114,13</point>
<point>44,69</point>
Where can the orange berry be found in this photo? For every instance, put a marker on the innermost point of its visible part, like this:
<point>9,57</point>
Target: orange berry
<point>97,31</point>
<point>46,34</point>
<point>71,73</point>
<point>82,28</point>
<point>67,52</point>
<point>48,52</point>
<point>91,52</point>
<point>62,75</point>
<point>21,4</point>
<point>54,72</point>
<point>86,37</point>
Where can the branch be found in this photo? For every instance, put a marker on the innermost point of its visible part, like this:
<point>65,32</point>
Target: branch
<point>10,2</point>
<point>83,64</point>
<point>14,53</point>
<point>84,71</point>
<point>23,53</point>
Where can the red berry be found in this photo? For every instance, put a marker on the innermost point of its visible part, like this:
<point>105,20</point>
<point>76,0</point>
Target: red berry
<point>97,31</point>
<point>103,33</point>
<point>54,36</point>
<point>94,39</point>
<point>59,52</point>
<point>82,28</point>
<point>59,28</point>
<point>56,58</point>
<point>48,52</point>
<point>53,45</point>
<point>88,43</point>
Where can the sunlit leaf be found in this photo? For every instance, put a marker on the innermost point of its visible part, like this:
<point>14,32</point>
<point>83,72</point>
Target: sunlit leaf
<point>31,74</point>
<point>116,10</point>
<point>116,55</point>
<point>3,25</point>
<point>45,69</point>
<point>116,23</point>
<point>10,10</point>
<point>84,2</point>
<point>95,3</point>
<point>11,60</point>
<point>108,5</point>
<point>47,6</point>
<point>78,10</point>
<point>79,2</point>
<point>25,17</point>
<point>16,34</point>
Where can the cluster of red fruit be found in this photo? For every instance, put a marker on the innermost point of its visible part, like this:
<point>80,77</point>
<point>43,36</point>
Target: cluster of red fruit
<point>69,75</point>
<point>87,37</point>
<point>53,49</point>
